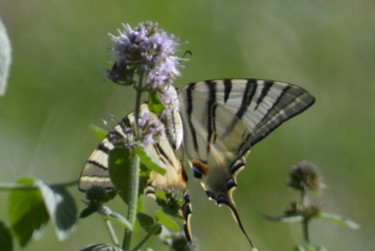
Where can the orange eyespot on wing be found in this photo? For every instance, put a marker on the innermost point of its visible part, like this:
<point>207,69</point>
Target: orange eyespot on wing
<point>199,170</point>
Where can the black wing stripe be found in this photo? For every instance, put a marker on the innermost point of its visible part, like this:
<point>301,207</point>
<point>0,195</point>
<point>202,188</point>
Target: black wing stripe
<point>273,107</point>
<point>189,110</point>
<point>97,164</point>
<point>303,97</point>
<point>227,89</point>
<point>211,111</point>
<point>103,148</point>
<point>161,151</point>
<point>250,90</point>
<point>264,92</point>
<point>125,123</point>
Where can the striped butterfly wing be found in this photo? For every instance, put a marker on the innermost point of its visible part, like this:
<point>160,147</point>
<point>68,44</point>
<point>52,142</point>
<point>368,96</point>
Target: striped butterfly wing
<point>222,119</point>
<point>95,171</point>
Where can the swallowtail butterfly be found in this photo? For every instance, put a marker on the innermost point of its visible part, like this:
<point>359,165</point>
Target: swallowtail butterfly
<point>216,122</point>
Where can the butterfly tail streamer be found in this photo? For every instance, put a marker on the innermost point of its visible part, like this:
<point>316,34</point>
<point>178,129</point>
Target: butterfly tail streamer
<point>236,216</point>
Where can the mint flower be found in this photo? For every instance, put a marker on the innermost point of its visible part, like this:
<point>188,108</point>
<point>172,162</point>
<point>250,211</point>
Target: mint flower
<point>305,176</point>
<point>146,50</point>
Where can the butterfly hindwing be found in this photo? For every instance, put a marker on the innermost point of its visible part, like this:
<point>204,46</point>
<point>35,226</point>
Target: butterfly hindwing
<point>95,171</point>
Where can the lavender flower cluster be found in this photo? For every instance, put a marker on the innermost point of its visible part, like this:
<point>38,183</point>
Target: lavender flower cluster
<point>145,59</point>
<point>146,50</point>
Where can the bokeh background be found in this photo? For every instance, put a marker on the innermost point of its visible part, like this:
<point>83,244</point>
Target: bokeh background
<point>57,89</point>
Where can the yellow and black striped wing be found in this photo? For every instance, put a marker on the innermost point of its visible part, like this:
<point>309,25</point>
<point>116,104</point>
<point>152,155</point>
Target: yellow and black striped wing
<point>95,171</point>
<point>222,119</point>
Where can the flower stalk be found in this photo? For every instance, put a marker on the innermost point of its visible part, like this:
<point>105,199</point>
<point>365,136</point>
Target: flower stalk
<point>145,60</point>
<point>133,203</point>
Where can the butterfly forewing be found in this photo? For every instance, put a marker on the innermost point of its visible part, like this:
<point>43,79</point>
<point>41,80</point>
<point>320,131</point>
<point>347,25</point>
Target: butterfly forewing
<point>262,105</point>
<point>95,171</point>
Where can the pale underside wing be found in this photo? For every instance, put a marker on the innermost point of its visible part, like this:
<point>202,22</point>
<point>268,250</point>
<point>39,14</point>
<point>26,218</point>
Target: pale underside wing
<point>95,171</point>
<point>222,119</point>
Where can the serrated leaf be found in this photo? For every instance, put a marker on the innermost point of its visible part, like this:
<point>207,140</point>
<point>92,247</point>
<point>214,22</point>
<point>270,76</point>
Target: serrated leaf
<point>149,160</point>
<point>288,219</point>
<point>154,104</point>
<point>119,171</point>
<point>116,217</point>
<point>6,240</point>
<point>27,212</point>
<point>339,220</point>
<point>61,207</point>
<point>101,247</point>
<point>165,220</point>
<point>99,132</point>
<point>5,58</point>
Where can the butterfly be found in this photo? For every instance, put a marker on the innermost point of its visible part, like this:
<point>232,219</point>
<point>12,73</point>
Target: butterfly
<point>216,123</point>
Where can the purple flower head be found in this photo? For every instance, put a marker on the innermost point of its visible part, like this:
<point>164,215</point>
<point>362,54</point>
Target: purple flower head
<point>146,50</point>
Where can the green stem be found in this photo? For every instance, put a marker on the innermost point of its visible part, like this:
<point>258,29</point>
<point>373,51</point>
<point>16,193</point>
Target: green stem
<point>14,186</point>
<point>146,238</point>
<point>305,223</point>
<point>305,226</point>
<point>133,200</point>
<point>134,172</point>
<point>111,232</point>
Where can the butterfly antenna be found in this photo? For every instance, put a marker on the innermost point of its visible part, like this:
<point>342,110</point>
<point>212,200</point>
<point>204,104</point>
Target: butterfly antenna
<point>187,52</point>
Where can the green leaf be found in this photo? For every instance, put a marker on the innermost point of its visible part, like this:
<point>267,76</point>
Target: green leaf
<point>284,218</point>
<point>164,219</point>
<point>116,217</point>
<point>61,208</point>
<point>146,221</point>
<point>6,241</point>
<point>160,195</point>
<point>170,204</point>
<point>144,176</point>
<point>149,160</point>
<point>27,212</point>
<point>339,220</point>
<point>101,247</point>
<point>89,210</point>
<point>119,171</point>
<point>148,224</point>
<point>154,104</point>
<point>5,58</point>
<point>99,132</point>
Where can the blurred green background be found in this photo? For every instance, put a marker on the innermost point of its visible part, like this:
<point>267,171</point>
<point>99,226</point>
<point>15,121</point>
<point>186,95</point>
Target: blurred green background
<point>57,89</point>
